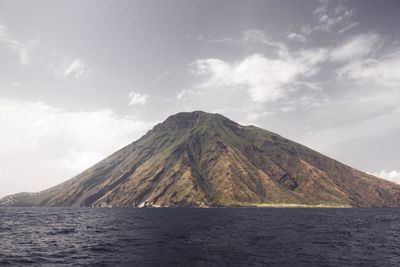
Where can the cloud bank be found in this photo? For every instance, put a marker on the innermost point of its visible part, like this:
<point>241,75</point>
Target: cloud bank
<point>49,145</point>
<point>263,78</point>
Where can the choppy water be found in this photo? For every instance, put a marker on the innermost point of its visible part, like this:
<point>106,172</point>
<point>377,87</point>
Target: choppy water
<point>199,237</point>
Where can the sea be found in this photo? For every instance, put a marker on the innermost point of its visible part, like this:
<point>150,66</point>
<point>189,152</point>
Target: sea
<point>199,237</point>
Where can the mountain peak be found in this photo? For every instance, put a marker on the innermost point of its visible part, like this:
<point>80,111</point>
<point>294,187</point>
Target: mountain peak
<point>201,159</point>
<point>186,120</point>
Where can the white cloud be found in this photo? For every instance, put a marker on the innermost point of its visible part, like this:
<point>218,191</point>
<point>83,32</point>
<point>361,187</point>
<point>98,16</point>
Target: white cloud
<point>25,52</point>
<point>296,37</point>
<point>62,66</point>
<point>44,145</point>
<point>137,99</point>
<point>162,76</point>
<point>263,78</point>
<point>326,18</point>
<point>23,49</point>
<point>356,47</point>
<point>186,93</point>
<point>182,95</point>
<point>348,27</point>
<point>256,35</point>
<point>250,36</point>
<point>384,70</point>
<point>366,63</point>
<point>393,176</point>
<point>77,69</point>
<point>312,56</point>
<point>65,66</point>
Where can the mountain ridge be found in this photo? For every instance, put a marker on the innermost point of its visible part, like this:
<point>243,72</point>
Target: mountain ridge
<point>198,159</point>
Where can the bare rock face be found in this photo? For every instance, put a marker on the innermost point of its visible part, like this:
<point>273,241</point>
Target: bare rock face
<point>199,159</point>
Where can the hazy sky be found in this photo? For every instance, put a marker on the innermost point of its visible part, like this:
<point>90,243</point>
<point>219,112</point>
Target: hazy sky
<point>80,79</point>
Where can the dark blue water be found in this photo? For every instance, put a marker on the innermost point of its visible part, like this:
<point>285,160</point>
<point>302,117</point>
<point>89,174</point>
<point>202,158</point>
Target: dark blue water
<point>199,237</point>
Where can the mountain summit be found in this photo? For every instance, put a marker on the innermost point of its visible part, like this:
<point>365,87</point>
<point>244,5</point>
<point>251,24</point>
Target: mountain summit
<point>197,159</point>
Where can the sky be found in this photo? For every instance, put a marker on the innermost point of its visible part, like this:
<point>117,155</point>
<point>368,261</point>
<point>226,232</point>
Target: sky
<point>81,79</point>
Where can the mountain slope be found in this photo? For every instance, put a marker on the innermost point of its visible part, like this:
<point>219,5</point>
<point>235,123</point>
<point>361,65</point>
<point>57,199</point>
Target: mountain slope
<point>201,159</point>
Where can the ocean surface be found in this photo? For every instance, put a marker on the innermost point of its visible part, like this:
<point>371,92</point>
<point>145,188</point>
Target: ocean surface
<point>199,237</point>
